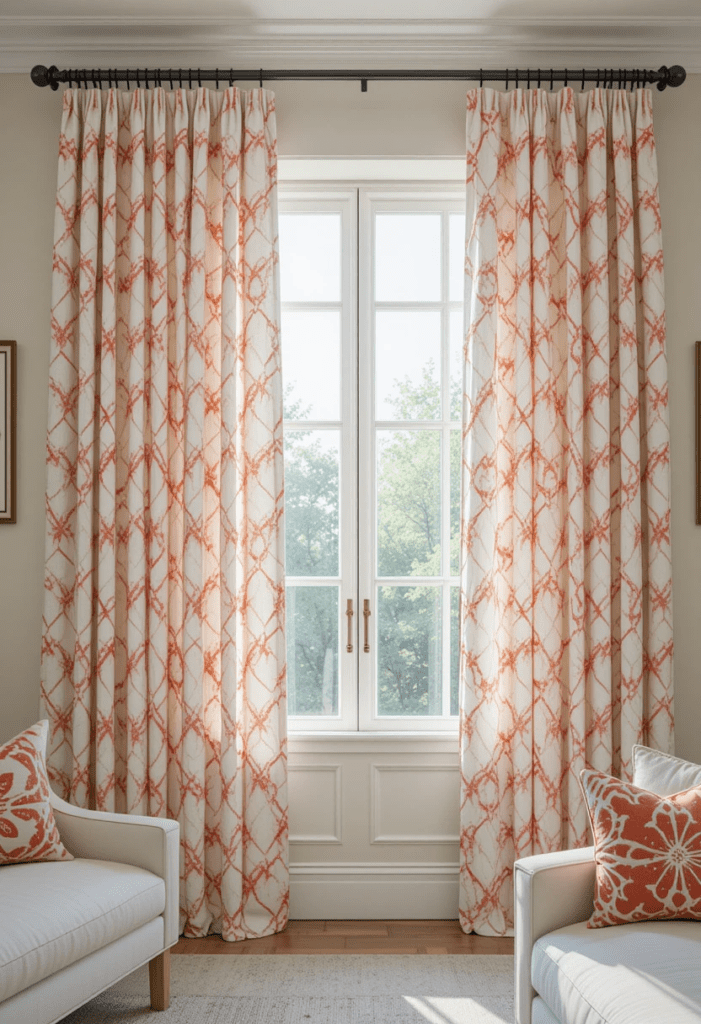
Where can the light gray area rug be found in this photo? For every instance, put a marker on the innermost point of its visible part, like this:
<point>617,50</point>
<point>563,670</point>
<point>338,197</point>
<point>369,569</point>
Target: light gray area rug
<point>344,989</point>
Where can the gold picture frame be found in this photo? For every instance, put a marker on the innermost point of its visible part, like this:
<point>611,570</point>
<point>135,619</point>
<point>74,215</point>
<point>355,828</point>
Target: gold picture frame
<point>8,432</point>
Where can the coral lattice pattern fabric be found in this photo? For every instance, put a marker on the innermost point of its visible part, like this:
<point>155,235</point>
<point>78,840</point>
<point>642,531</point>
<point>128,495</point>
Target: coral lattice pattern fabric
<point>566,632</point>
<point>163,668</point>
<point>647,851</point>
<point>28,829</point>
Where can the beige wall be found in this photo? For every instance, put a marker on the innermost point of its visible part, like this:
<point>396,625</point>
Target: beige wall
<point>410,119</point>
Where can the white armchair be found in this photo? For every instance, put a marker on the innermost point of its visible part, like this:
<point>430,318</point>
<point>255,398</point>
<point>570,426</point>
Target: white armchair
<point>72,929</point>
<point>551,890</point>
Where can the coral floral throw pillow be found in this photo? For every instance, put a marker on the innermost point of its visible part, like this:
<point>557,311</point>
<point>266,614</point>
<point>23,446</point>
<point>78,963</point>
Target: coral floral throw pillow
<point>647,851</point>
<point>27,826</point>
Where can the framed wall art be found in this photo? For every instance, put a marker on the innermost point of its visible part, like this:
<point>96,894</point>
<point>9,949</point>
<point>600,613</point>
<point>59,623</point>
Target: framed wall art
<point>8,431</point>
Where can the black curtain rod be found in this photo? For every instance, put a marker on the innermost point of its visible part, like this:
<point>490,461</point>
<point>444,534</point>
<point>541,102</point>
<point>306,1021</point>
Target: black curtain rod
<point>607,77</point>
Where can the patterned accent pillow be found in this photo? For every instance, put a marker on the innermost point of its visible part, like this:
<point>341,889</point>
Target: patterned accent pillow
<point>27,827</point>
<point>647,852</point>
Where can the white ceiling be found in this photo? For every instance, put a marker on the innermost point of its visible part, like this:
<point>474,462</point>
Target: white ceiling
<point>351,33</point>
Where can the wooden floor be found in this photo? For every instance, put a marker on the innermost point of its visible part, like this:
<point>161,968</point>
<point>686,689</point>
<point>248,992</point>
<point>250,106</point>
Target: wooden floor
<point>312,937</point>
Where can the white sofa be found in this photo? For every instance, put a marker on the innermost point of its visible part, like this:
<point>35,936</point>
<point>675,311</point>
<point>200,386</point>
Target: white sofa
<point>70,929</point>
<point>566,973</point>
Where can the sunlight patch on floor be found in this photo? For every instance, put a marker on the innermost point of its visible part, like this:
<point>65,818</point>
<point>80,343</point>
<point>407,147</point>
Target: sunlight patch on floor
<point>455,1011</point>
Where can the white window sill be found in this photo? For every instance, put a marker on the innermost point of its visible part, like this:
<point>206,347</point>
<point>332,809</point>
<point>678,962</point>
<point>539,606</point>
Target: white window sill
<point>373,742</point>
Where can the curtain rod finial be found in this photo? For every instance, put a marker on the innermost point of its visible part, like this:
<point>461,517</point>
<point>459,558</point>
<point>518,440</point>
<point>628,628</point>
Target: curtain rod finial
<point>672,77</point>
<point>45,76</point>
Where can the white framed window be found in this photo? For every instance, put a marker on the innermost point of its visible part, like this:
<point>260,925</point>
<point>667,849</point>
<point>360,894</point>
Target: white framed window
<point>372,321</point>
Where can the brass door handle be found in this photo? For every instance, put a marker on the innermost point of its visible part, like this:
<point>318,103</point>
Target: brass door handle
<point>349,613</point>
<point>366,615</point>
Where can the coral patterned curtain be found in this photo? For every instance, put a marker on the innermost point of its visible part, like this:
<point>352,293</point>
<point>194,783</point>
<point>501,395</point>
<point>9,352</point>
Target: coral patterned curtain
<point>163,668</point>
<point>566,657</point>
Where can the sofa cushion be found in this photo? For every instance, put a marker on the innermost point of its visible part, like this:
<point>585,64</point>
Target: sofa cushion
<point>632,974</point>
<point>55,913</point>
<point>27,827</point>
<point>661,773</point>
<point>647,851</point>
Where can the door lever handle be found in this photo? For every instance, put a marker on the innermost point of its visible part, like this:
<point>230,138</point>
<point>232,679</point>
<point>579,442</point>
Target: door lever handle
<point>366,615</point>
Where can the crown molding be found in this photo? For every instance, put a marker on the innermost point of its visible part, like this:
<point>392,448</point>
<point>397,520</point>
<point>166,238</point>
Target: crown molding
<point>109,40</point>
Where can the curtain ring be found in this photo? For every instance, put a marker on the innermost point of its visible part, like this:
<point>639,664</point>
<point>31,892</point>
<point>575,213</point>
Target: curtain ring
<point>480,78</point>
<point>565,78</point>
<point>94,80</point>
<point>128,81</point>
<point>216,76</point>
<point>507,78</point>
<point>199,77</point>
<point>260,79</point>
<point>516,73</point>
<point>528,78</point>
<point>189,77</point>
<point>231,78</point>
<point>170,78</point>
<point>539,78</point>
<point>138,80</point>
<point>582,78</point>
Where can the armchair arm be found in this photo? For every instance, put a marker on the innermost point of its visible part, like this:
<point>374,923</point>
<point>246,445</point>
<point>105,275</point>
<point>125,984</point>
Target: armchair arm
<point>149,843</point>
<point>551,890</point>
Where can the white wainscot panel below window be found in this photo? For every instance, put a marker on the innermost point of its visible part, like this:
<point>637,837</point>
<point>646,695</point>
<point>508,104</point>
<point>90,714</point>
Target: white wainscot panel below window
<point>414,804</point>
<point>315,803</point>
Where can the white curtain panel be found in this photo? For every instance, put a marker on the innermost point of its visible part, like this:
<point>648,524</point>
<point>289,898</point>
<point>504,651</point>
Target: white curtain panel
<point>163,669</point>
<point>566,630</point>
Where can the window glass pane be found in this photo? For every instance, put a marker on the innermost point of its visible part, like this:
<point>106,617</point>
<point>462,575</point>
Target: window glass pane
<point>454,649</point>
<point>455,484</point>
<point>311,364</point>
<point>456,249</point>
<point>312,650</point>
<point>408,502</point>
<point>311,502</point>
<point>310,257</point>
<point>407,365</point>
<point>407,257</point>
<point>409,678</point>
<point>456,364</point>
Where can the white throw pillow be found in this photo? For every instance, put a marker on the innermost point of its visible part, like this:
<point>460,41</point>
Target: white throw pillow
<point>661,773</point>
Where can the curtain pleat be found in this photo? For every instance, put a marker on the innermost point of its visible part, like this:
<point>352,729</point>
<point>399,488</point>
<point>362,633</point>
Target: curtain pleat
<point>566,636</point>
<point>163,667</point>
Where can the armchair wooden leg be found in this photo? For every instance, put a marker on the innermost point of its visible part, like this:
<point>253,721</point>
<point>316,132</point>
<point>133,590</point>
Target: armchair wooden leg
<point>159,981</point>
